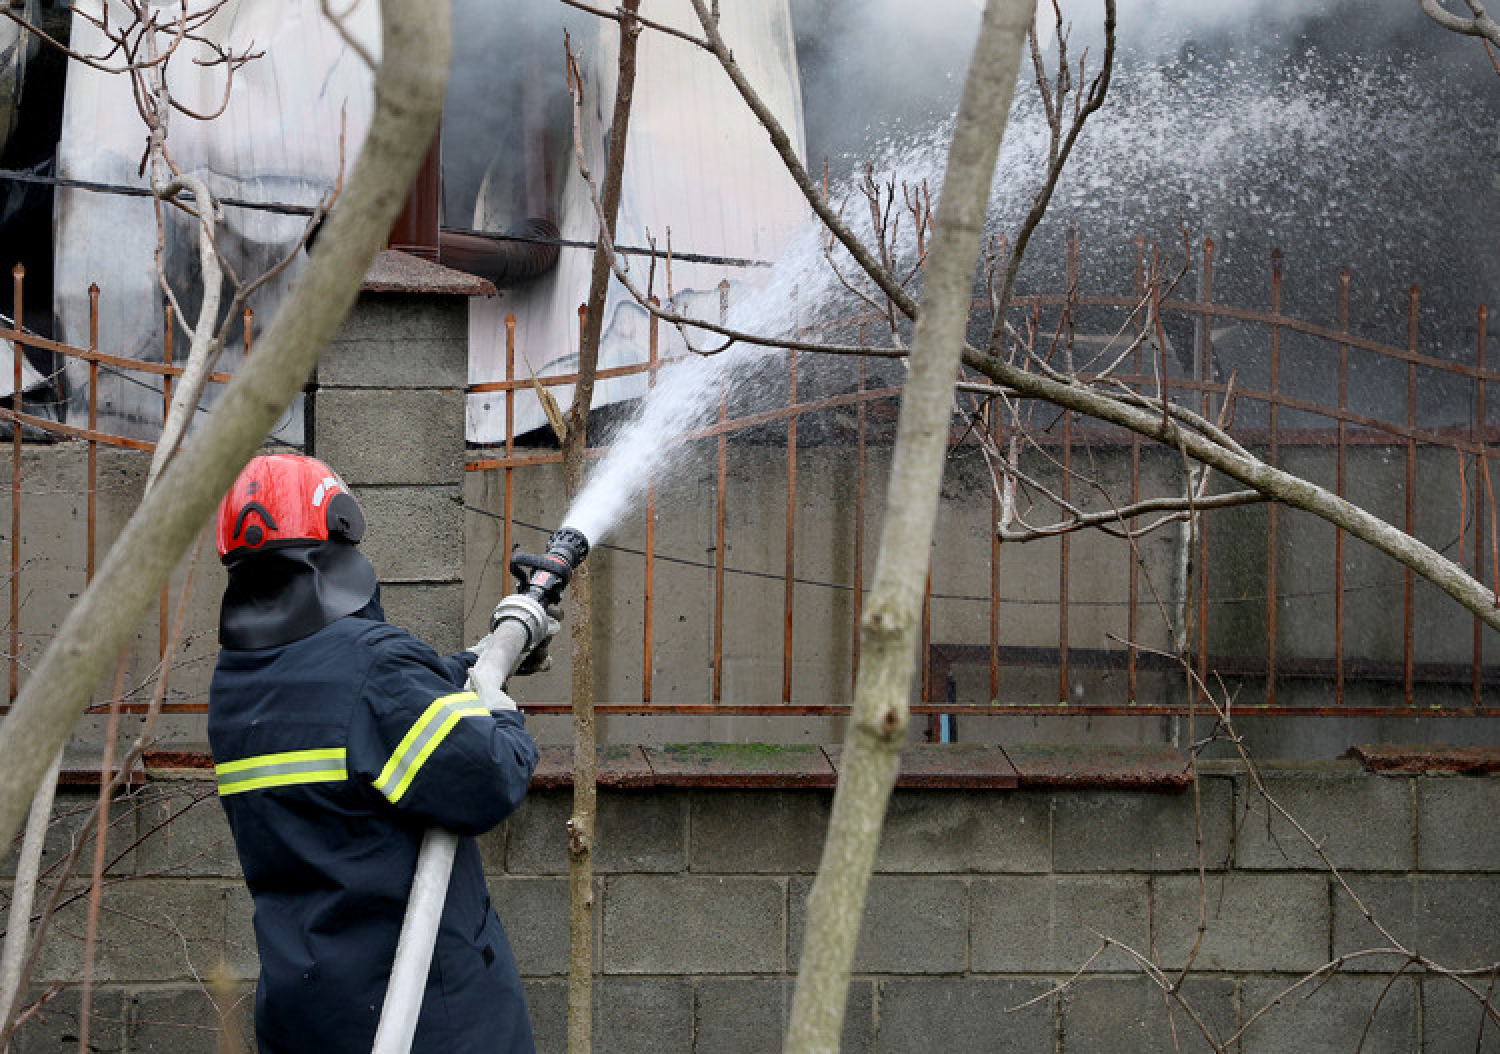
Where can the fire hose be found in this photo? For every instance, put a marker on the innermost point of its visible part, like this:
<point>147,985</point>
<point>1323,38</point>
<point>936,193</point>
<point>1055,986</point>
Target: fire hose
<point>517,628</point>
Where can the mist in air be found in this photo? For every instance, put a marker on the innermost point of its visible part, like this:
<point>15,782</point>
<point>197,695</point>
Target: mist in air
<point>1342,135</point>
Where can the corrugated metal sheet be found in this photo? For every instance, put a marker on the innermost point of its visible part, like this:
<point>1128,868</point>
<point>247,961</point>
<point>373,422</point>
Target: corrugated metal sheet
<point>277,141</point>
<point>698,165</point>
<point>700,170</point>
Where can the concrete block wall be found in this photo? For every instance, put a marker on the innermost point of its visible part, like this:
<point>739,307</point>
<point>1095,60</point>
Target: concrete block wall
<point>684,646</point>
<point>984,902</point>
<point>388,414</point>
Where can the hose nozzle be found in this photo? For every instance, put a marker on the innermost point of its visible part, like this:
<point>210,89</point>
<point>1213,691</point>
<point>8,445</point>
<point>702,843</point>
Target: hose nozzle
<point>544,577</point>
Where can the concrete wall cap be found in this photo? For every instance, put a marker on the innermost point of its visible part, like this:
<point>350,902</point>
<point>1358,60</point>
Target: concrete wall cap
<point>924,766</point>
<point>398,272</point>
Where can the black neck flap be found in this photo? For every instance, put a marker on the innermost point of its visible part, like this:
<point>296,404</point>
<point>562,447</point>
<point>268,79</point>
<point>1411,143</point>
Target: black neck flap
<point>286,594</point>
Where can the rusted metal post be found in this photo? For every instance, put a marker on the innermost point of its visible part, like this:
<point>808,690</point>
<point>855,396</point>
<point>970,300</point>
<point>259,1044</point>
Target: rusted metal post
<point>860,421</point>
<point>1479,440</point>
<point>721,491</point>
<point>648,630</point>
<point>1205,378</point>
<point>18,279</point>
<point>789,574</point>
<point>1272,519</point>
<point>1163,372</point>
<point>1340,482</point>
<point>996,428</point>
<point>1065,488</point>
<point>1065,566</point>
<point>1133,586</point>
<point>92,500</point>
<point>1409,624</point>
<point>510,436</point>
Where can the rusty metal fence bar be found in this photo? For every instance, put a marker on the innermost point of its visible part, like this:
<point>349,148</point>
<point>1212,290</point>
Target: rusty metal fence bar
<point>1273,513</point>
<point>860,484</point>
<point>648,616</point>
<point>979,668</point>
<point>1340,488</point>
<point>1409,622</point>
<point>1205,370</point>
<point>20,420</point>
<point>18,281</point>
<point>721,501</point>
<point>1335,423</point>
<point>1478,429</point>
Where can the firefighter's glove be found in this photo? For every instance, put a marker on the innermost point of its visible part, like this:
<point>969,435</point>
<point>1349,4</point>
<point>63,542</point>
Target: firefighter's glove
<point>538,659</point>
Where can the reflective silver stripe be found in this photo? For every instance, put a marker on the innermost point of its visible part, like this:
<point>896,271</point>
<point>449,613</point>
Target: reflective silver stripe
<point>324,765</point>
<point>422,739</point>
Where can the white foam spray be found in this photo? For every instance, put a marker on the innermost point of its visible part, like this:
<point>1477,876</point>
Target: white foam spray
<point>1225,153</point>
<point>647,446</point>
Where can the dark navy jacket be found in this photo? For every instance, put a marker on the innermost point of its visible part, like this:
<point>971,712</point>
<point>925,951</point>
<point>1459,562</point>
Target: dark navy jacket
<point>334,753</point>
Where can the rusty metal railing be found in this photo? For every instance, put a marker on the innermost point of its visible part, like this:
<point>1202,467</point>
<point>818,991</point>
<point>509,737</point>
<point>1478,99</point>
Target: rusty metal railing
<point>19,419</point>
<point>972,670</point>
<point>1024,629</point>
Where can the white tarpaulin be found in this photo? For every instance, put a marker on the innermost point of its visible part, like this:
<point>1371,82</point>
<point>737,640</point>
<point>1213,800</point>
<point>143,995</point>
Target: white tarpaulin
<point>699,170</point>
<point>278,141</point>
<point>698,166</point>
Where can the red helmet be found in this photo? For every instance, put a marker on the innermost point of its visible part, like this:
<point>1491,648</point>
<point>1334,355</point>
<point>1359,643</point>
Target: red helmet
<point>286,499</point>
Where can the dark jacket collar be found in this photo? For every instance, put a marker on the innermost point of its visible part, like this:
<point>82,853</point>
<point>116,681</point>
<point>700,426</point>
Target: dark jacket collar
<point>286,594</point>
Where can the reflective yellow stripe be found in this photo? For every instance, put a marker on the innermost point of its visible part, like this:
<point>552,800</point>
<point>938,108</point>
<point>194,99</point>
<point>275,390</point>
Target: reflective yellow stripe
<point>422,739</point>
<point>325,765</point>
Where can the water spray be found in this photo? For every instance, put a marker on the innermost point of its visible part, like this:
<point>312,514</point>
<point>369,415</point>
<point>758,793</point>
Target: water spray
<point>520,626</point>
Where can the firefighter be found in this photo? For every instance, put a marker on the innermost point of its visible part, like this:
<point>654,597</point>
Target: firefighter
<point>338,739</point>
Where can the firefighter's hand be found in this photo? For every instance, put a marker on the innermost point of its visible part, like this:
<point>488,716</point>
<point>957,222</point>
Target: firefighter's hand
<point>538,659</point>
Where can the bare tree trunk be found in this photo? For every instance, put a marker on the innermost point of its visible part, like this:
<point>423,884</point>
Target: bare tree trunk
<point>23,892</point>
<point>581,825</point>
<point>18,931</point>
<point>889,627</point>
<point>205,346</point>
<point>408,101</point>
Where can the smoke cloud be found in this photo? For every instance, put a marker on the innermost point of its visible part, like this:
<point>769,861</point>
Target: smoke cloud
<point>1346,133</point>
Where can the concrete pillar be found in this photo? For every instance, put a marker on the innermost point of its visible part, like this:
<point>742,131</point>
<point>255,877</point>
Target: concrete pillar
<point>387,413</point>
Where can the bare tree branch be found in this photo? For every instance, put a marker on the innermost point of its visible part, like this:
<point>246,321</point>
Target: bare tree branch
<point>408,99</point>
<point>204,346</point>
<point>1061,148</point>
<point>1480,25</point>
<point>784,149</point>
<point>1177,508</point>
<point>23,893</point>
<point>336,18</point>
<point>1250,471</point>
